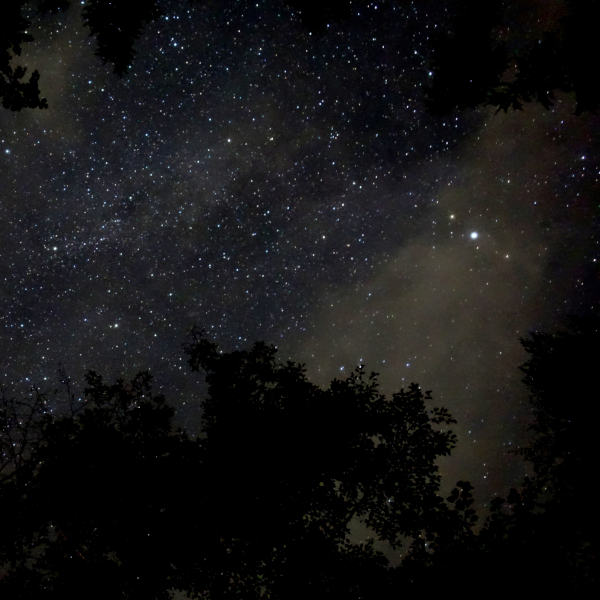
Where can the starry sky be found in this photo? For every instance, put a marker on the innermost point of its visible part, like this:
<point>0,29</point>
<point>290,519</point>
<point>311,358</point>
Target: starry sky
<point>267,183</point>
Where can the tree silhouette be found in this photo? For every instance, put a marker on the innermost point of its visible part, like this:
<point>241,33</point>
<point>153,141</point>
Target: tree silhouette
<point>116,27</point>
<point>561,368</point>
<point>543,539</point>
<point>291,464</point>
<point>472,66</point>
<point>14,91</point>
<point>560,376</point>
<point>92,509</point>
<point>111,501</point>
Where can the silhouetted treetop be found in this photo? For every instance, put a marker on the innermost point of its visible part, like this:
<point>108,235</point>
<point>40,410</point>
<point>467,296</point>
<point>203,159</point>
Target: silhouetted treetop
<point>112,495</point>
<point>92,509</point>
<point>560,375</point>
<point>116,25</point>
<point>111,500</point>
<point>483,59</point>
<point>339,452</point>
<point>473,65</point>
<point>549,526</point>
<point>16,93</point>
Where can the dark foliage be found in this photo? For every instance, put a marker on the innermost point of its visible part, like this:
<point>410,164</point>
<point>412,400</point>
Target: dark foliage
<point>542,539</point>
<point>15,91</point>
<point>110,500</point>
<point>560,376</point>
<point>472,67</point>
<point>116,27</point>
<point>300,462</point>
<point>92,509</point>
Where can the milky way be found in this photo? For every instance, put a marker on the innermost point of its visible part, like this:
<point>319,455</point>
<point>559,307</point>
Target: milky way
<point>270,184</point>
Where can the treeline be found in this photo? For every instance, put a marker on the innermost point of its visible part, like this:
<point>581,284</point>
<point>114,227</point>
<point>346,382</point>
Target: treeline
<point>109,500</point>
<point>483,56</point>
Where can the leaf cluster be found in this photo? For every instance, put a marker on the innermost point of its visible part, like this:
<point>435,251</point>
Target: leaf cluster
<point>260,505</point>
<point>472,67</point>
<point>550,525</point>
<point>94,502</point>
<point>291,464</point>
<point>15,91</point>
<point>116,25</point>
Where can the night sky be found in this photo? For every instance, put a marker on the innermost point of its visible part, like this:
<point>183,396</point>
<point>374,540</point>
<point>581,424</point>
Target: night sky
<point>268,184</point>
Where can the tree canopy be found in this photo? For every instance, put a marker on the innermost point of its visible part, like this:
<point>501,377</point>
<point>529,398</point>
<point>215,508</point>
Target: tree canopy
<point>91,507</point>
<point>261,501</point>
<point>480,60</point>
<point>116,27</point>
<point>109,499</point>
<point>543,537</point>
